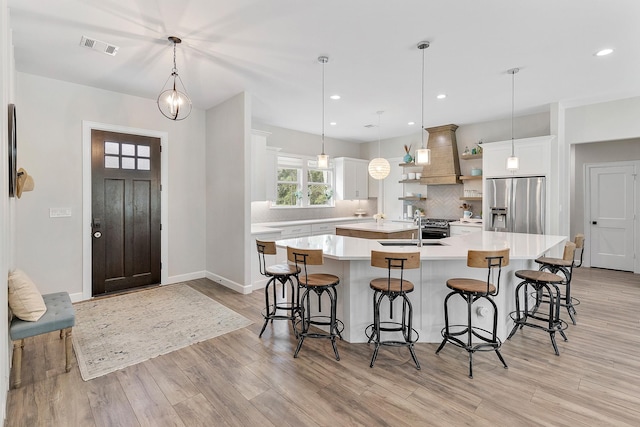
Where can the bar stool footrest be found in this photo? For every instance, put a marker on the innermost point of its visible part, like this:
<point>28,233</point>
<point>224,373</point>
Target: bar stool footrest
<point>520,319</point>
<point>487,343</point>
<point>391,327</point>
<point>266,312</point>
<point>316,321</point>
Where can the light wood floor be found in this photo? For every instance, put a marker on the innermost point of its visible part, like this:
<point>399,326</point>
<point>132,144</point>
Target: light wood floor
<point>241,380</point>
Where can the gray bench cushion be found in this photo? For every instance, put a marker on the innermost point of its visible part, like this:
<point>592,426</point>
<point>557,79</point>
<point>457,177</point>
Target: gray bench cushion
<point>60,315</point>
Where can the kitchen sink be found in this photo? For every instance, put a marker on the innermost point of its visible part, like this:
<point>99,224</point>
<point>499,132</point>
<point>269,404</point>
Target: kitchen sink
<point>409,243</point>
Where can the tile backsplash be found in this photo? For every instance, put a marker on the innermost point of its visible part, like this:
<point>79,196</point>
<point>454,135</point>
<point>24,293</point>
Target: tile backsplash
<point>443,201</point>
<point>261,212</point>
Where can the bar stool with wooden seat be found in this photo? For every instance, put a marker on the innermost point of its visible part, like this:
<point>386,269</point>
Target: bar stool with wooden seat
<point>545,285</point>
<point>282,273</point>
<point>565,265</point>
<point>471,290</point>
<point>318,284</point>
<point>392,288</point>
<point>545,289</point>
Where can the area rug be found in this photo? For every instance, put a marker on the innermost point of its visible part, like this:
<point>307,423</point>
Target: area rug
<point>113,333</point>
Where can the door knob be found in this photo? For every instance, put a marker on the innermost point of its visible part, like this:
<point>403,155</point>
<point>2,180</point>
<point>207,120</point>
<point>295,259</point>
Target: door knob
<point>594,222</point>
<point>97,234</point>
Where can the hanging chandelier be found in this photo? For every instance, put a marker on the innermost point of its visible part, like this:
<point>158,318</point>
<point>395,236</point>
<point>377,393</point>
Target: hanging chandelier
<point>323,159</point>
<point>513,161</point>
<point>173,101</point>
<point>379,167</point>
<point>423,154</point>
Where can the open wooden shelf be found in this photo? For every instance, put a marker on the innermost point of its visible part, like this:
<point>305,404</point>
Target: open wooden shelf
<point>409,181</point>
<point>470,177</point>
<point>470,198</point>
<point>410,165</point>
<point>471,156</point>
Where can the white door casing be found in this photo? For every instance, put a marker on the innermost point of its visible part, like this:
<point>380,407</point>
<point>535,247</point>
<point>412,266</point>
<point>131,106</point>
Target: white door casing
<point>610,204</point>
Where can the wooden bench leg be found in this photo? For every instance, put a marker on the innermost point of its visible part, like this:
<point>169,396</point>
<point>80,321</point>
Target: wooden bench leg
<point>68,350</point>
<point>18,346</point>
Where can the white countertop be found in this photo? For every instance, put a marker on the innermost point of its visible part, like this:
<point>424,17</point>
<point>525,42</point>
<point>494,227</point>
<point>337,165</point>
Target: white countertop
<point>271,227</point>
<point>523,246</point>
<point>385,227</point>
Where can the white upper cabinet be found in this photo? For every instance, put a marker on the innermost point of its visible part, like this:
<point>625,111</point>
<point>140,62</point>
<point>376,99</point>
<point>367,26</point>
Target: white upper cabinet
<point>263,167</point>
<point>534,156</point>
<point>352,179</point>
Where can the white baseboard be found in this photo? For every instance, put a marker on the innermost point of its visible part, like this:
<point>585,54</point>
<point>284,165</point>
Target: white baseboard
<point>76,297</point>
<point>243,289</point>
<point>193,276</point>
<point>185,277</point>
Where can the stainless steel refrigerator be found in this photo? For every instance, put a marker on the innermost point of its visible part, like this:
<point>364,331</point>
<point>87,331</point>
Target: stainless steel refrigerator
<point>516,204</point>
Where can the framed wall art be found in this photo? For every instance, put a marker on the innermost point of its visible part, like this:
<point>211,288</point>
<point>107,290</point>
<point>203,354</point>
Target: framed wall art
<point>13,150</point>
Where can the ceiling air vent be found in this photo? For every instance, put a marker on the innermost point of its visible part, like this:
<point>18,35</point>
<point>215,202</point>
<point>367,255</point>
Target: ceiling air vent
<point>98,45</point>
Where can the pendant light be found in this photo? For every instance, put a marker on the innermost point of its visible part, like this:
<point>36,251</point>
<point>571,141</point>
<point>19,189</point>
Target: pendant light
<point>173,101</point>
<point>513,161</point>
<point>423,155</point>
<point>323,159</point>
<point>379,167</point>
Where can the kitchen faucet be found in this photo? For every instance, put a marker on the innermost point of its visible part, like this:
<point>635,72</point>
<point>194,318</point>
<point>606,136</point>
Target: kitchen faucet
<point>417,219</point>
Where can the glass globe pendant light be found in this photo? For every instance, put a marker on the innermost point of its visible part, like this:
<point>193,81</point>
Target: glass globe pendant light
<point>379,167</point>
<point>323,159</point>
<point>423,154</point>
<point>512,161</point>
<point>173,101</point>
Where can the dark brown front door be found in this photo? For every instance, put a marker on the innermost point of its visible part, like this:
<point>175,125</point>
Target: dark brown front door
<point>125,211</point>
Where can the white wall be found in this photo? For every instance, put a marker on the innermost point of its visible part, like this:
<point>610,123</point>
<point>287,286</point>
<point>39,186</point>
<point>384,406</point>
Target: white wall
<point>50,137</point>
<point>605,121</point>
<point>7,84</point>
<point>296,142</point>
<point>228,192</point>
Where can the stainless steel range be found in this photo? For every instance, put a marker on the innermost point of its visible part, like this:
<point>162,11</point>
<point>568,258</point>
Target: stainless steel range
<point>434,228</point>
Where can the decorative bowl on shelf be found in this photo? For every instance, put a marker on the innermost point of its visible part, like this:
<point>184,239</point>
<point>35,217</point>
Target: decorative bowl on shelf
<point>476,172</point>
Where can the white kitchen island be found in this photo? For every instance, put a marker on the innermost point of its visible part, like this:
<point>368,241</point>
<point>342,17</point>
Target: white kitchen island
<point>349,259</point>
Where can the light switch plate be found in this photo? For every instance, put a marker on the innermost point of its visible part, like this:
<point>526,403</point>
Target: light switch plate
<point>59,212</point>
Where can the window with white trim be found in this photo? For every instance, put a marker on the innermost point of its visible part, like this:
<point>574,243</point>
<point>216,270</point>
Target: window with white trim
<point>300,183</point>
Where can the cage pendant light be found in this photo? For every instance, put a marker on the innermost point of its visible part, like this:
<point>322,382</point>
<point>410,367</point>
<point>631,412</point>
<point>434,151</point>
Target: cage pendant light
<point>379,167</point>
<point>173,101</point>
<point>323,159</point>
<point>423,154</point>
<point>512,161</point>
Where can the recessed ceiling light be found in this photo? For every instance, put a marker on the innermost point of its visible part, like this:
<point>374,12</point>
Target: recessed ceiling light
<point>441,96</point>
<point>333,123</point>
<point>411,123</point>
<point>604,52</point>
<point>336,97</point>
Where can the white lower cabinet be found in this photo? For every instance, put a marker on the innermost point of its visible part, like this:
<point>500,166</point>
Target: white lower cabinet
<point>458,229</point>
<point>323,228</point>
<point>293,231</point>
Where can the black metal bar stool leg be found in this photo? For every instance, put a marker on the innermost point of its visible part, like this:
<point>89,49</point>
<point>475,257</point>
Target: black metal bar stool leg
<point>268,312</point>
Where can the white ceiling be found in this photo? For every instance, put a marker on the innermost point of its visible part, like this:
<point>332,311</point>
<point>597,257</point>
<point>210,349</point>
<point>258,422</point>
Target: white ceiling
<point>270,48</point>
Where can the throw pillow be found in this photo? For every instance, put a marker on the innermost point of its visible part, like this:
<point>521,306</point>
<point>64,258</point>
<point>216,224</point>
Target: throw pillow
<point>25,300</point>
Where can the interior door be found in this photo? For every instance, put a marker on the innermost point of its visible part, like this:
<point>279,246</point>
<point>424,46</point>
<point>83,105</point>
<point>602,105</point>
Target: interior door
<point>611,209</point>
<point>125,211</point>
